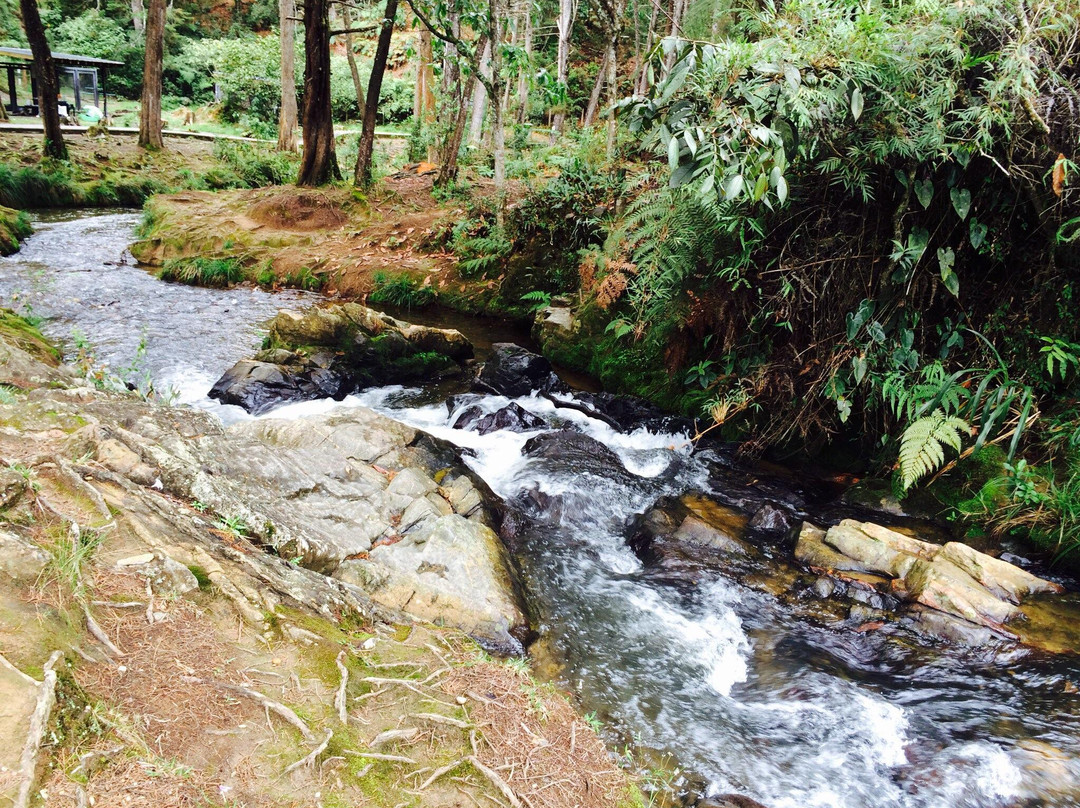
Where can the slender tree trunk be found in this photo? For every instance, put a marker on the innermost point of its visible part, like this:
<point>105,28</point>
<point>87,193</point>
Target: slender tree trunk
<point>678,8</point>
<point>354,71</point>
<point>612,91</point>
<point>286,139</point>
<point>378,68</point>
<point>565,23</point>
<point>479,98</point>
<point>318,165</point>
<point>44,70</point>
<point>650,37</point>
<point>594,96</point>
<point>424,102</point>
<point>523,75</point>
<point>448,152</point>
<point>150,104</point>
<point>138,16</point>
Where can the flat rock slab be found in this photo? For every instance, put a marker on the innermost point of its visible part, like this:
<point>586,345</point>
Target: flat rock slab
<point>952,579</point>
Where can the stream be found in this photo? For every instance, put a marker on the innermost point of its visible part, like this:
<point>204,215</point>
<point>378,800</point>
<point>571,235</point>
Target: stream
<point>701,670</point>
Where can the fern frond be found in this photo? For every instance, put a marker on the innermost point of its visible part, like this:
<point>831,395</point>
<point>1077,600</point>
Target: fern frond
<point>922,446</point>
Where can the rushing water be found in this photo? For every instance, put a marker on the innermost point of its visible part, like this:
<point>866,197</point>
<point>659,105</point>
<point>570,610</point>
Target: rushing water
<point>722,677</point>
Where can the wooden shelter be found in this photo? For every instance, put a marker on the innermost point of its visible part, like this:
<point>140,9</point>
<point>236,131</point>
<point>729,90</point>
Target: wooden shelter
<point>85,77</point>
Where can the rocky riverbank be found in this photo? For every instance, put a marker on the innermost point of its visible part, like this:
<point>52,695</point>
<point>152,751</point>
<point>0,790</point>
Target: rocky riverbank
<point>274,612</point>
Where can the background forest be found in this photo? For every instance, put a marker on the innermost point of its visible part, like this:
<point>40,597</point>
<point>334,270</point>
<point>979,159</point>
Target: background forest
<point>840,230</point>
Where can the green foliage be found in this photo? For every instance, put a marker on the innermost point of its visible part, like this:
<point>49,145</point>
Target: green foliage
<point>244,69</point>
<point>401,291</point>
<point>203,271</point>
<point>922,446</point>
<point>256,166</point>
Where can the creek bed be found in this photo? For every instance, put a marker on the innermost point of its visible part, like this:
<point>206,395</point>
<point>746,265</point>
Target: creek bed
<point>721,677</point>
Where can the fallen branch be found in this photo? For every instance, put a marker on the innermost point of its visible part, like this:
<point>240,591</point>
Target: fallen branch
<point>99,634</point>
<point>377,756</point>
<point>443,719</point>
<point>339,699</point>
<point>75,481</point>
<point>449,767</point>
<point>393,736</point>
<point>39,721</point>
<point>496,781</point>
<point>310,758</point>
<point>261,700</point>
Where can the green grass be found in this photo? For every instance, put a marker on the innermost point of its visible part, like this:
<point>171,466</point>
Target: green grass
<point>203,271</point>
<point>401,291</point>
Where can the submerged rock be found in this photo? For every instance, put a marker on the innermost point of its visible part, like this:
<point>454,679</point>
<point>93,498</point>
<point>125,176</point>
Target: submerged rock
<point>332,351</point>
<point>575,449</point>
<point>692,527</point>
<point>953,580</point>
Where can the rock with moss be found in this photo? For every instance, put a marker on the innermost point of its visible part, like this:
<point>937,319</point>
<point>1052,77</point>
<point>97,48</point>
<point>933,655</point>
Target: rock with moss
<point>332,351</point>
<point>14,227</point>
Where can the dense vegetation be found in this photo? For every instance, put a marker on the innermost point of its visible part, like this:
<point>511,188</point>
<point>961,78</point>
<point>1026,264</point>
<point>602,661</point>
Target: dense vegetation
<point>843,230</point>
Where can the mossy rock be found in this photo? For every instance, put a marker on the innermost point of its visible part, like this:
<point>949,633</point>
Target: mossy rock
<point>14,227</point>
<point>21,332</point>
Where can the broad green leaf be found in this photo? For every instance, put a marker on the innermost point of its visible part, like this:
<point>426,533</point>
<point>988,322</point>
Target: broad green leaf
<point>977,233</point>
<point>760,187</point>
<point>673,153</point>
<point>781,190</point>
<point>708,185</point>
<point>961,201</point>
<point>856,103</point>
<point>733,186</point>
<point>688,136</point>
<point>924,192</point>
<point>794,78</point>
<point>946,260</point>
<point>858,363</point>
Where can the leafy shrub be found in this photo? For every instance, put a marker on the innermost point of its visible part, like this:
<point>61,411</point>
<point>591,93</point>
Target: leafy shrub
<point>203,271</point>
<point>401,291</point>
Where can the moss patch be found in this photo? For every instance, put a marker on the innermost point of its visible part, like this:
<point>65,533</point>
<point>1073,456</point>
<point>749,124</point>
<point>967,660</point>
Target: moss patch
<point>23,333</point>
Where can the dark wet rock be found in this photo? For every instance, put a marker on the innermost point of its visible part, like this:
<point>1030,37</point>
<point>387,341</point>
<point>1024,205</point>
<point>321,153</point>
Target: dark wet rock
<point>628,413</point>
<point>730,801</point>
<point>573,449</point>
<point>688,528</point>
<point>511,417</point>
<point>513,371</point>
<point>469,417</point>
<point>771,518</point>
<point>260,386</point>
<point>331,351</point>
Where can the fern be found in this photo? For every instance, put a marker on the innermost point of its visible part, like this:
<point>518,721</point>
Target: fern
<point>922,446</point>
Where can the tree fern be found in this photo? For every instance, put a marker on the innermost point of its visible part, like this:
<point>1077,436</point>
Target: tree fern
<point>922,446</point>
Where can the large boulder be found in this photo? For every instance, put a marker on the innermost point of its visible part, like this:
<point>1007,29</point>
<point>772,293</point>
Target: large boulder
<point>331,351</point>
<point>954,580</point>
<point>457,573</point>
<point>259,387</point>
<point>513,371</point>
<point>21,559</point>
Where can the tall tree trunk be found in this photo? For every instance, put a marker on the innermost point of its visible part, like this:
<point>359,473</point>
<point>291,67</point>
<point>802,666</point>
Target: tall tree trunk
<point>523,75</point>
<point>612,91</point>
<point>138,16</point>
<point>565,23</point>
<point>643,68</point>
<point>318,165</point>
<point>44,70</point>
<point>479,98</point>
<point>424,101</point>
<point>678,9</point>
<point>350,55</point>
<point>286,139</point>
<point>594,96</point>
<point>150,104</point>
<point>378,68</point>
<point>448,151</point>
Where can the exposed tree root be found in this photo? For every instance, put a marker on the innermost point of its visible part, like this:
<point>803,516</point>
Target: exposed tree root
<point>39,721</point>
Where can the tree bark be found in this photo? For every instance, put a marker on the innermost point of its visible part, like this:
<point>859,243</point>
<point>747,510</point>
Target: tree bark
<point>495,71</point>
<point>523,76</point>
<point>479,97</point>
<point>594,96</point>
<point>318,165</point>
<point>565,23</point>
<point>378,68</point>
<point>448,152</point>
<point>138,16</point>
<point>354,71</point>
<point>650,37</point>
<point>150,104</point>
<point>44,70</point>
<point>424,102</point>
<point>286,139</point>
